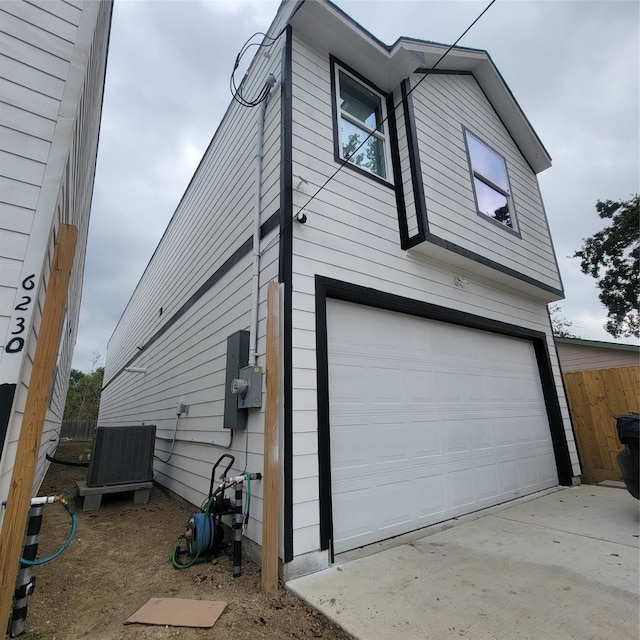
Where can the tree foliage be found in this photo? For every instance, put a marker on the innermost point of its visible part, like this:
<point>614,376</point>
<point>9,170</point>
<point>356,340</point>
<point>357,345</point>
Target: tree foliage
<point>364,154</point>
<point>612,256</point>
<point>83,395</point>
<point>562,328</point>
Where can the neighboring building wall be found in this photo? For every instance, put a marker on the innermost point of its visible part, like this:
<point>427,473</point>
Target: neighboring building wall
<point>352,235</point>
<point>575,356</point>
<point>52,68</point>
<point>194,293</point>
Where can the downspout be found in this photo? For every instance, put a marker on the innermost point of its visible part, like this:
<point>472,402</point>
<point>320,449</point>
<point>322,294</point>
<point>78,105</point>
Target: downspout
<point>255,279</point>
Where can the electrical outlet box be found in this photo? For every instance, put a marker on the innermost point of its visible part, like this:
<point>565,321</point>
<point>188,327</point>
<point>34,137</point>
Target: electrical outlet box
<point>252,396</point>
<point>237,358</point>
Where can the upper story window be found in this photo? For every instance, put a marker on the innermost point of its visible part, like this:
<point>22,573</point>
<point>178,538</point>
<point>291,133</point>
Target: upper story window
<point>490,182</point>
<point>362,136</point>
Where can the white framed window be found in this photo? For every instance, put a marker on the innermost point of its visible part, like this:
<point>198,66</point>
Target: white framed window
<point>361,134</point>
<point>491,186</point>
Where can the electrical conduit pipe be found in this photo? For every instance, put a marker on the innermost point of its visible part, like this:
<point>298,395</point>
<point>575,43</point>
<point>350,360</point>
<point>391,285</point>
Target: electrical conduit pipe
<point>255,278</point>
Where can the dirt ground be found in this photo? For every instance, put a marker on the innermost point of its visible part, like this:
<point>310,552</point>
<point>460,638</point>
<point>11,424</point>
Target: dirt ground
<point>120,557</point>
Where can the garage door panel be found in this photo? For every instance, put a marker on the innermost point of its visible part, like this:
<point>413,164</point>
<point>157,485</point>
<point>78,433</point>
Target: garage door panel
<point>393,505</point>
<point>456,435</point>
<point>472,385</point>
<point>420,386</point>
<point>547,471</point>
<point>539,429</point>
<point>503,432</point>
<point>428,421</point>
<point>348,383</point>
<point>429,496</point>
<point>480,435</point>
<point>353,527</point>
<point>487,483</point>
<point>528,470</point>
<point>460,486</point>
<point>509,477</point>
<point>425,438</point>
<point>389,381</point>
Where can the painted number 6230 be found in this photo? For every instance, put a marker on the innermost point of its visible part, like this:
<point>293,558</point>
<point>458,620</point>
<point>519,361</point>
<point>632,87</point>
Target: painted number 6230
<point>16,344</point>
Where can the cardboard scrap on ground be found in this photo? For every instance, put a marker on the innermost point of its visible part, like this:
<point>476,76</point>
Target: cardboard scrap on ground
<point>178,612</point>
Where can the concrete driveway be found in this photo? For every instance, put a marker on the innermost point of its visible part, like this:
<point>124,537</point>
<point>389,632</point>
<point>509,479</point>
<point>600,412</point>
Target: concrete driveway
<point>562,564</point>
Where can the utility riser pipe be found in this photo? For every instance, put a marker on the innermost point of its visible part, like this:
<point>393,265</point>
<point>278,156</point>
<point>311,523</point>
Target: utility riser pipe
<point>257,211</point>
<point>26,582</point>
<point>238,522</point>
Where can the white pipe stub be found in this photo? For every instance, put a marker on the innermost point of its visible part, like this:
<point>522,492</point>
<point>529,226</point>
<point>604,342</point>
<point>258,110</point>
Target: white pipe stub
<point>136,369</point>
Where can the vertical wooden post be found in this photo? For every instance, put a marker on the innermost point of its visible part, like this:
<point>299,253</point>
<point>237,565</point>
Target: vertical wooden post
<point>270,481</point>
<point>44,361</point>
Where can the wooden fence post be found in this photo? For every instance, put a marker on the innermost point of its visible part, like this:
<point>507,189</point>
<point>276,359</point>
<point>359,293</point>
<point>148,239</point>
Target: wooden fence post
<point>44,361</point>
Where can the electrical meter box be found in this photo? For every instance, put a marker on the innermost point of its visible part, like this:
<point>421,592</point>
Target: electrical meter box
<point>250,379</point>
<point>237,359</point>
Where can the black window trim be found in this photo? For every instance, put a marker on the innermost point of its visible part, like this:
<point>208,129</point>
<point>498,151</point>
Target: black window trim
<point>387,100</point>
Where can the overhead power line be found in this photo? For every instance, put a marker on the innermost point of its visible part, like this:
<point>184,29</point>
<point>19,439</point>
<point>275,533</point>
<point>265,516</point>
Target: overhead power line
<point>267,41</point>
<point>424,77</point>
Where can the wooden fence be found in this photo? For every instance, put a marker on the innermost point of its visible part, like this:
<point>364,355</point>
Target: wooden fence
<point>78,429</point>
<point>595,396</point>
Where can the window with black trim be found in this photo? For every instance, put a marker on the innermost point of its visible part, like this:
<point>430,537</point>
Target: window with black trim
<point>360,114</point>
<point>490,181</point>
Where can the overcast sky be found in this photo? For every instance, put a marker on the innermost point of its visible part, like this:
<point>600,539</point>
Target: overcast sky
<point>572,65</point>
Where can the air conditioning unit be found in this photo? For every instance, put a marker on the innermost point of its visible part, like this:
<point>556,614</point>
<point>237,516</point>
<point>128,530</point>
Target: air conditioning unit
<point>122,455</point>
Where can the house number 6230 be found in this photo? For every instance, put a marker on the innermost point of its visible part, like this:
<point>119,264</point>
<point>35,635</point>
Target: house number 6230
<point>16,344</point>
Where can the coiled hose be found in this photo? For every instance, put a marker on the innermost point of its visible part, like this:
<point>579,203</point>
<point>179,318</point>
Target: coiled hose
<point>201,542</point>
<point>65,544</point>
<point>207,523</point>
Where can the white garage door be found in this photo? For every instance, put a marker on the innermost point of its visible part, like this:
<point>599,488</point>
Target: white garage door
<point>428,421</point>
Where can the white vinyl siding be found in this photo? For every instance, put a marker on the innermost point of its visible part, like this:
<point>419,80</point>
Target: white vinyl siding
<point>187,360</point>
<point>443,105</point>
<point>52,69</point>
<point>352,235</point>
<point>35,51</point>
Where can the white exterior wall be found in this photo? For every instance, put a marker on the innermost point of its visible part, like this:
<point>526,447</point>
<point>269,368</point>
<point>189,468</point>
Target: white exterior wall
<point>52,69</point>
<point>443,105</point>
<point>352,235</point>
<point>35,52</point>
<point>186,360</point>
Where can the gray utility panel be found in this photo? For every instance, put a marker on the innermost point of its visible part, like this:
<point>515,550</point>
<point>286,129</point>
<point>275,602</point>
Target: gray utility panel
<point>237,358</point>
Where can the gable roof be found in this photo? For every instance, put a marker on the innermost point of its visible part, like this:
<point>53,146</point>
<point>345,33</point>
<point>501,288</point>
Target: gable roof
<point>327,27</point>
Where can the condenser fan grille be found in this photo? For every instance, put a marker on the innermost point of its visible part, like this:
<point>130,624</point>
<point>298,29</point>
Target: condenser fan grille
<point>122,455</point>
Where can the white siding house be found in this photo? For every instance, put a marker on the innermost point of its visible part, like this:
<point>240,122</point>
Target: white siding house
<point>52,69</point>
<point>421,380</point>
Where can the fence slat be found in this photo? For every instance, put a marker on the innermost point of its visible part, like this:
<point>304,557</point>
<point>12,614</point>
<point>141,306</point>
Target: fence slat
<point>78,429</point>
<point>595,396</point>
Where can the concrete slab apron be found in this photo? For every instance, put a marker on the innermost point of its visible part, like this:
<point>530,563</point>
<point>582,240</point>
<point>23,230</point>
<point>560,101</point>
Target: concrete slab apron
<point>564,565</point>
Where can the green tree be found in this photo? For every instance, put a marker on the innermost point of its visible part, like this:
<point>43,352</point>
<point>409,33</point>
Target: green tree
<point>367,155</point>
<point>612,256</point>
<point>83,395</point>
<point>562,328</point>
